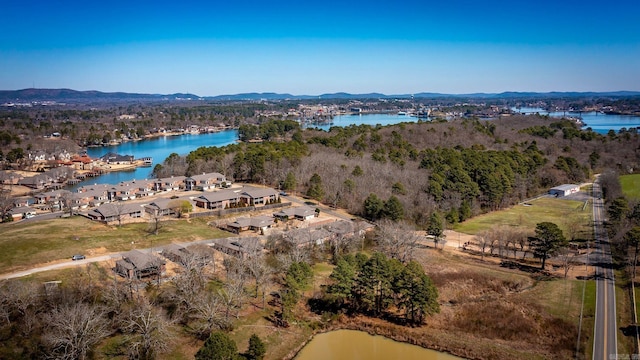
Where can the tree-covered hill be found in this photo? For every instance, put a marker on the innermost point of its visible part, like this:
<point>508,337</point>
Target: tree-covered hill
<point>458,168</point>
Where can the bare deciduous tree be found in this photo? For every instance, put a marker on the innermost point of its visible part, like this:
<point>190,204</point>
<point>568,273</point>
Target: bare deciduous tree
<point>567,260</point>
<point>147,331</point>
<point>397,240</point>
<point>6,202</point>
<point>208,314</point>
<point>482,242</point>
<point>74,329</point>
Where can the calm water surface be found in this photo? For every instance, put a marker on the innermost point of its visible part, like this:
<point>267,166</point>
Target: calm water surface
<point>366,119</point>
<point>600,123</point>
<point>358,345</point>
<point>160,148</point>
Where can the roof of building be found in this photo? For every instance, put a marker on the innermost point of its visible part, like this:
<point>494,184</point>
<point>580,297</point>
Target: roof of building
<point>301,211</point>
<point>255,193</point>
<point>240,244</point>
<point>111,209</point>
<point>256,221</point>
<point>22,210</point>
<point>141,260</point>
<point>565,187</point>
<point>207,176</point>
<point>221,195</point>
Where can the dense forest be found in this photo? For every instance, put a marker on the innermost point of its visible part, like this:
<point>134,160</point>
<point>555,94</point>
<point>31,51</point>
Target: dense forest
<point>458,168</point>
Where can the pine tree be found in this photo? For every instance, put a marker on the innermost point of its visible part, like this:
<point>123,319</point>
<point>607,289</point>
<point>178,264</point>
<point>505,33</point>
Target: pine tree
<point>548,240</point>
<point>219,346</point>
<point>257,348</point>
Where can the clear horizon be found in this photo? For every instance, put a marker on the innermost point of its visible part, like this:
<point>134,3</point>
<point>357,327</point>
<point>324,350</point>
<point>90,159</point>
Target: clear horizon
<point>210,49</point>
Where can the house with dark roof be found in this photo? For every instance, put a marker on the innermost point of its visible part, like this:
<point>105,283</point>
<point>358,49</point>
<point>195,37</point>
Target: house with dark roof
<point>218,200</point>
<point>136,264</point>
<point>117,159</point>
<point>10,178</point>
<point>238,246</point>
<point>320,234</point>
<point>205,182</point>
<point>172,183</point>
<point>39,181</point>
<point>301,213</point>
<point>111,212</point>
<point>23,201</point>
<point>256,223</point>
<point>161,207</point>
<point>22,212</point>
<point>258,196</point>
<point>200,254</point>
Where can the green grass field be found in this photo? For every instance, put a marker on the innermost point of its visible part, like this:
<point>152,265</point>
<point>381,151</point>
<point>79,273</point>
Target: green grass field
<point>22,245</point>
<point>630,185</point>
<point>560,212</point>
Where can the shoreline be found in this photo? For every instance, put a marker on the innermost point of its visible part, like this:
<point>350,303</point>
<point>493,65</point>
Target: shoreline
<point>388,331</point>
<point>154,136</point>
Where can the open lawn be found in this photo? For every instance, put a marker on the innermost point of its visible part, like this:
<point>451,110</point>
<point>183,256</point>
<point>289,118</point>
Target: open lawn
<point>25,245</point>
<point>631,186</point>
<point>561,212</point>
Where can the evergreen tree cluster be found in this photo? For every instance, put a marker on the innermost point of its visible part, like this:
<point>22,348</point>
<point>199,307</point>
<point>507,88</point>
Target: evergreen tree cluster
<point>379,285</point>
<point>219,346</point>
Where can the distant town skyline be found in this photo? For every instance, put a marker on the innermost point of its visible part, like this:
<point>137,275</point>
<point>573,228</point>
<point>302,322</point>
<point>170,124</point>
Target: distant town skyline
<point>403,47</point>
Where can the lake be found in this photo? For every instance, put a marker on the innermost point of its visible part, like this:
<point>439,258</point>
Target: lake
<point>358,345</point>
<point>365,119</point>
<point>161,147</point>
<point>600,123</point>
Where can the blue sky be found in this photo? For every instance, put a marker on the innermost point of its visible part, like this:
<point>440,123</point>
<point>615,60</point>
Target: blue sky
<point>298,47</point>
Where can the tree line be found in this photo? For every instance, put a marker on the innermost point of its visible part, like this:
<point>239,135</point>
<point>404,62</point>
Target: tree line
<point>378,285</point>
<point>458,169</point>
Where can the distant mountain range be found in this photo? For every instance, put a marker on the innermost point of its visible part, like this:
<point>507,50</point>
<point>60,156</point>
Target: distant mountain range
<point>68,95</point>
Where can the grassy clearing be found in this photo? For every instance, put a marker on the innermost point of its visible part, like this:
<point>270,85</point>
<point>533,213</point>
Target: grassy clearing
<point>22,245</point>
<point>544,209</point>
<point>588,319</point>
<point>631,185</point>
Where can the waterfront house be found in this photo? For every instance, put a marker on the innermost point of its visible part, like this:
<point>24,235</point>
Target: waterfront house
<point>117,159</point>
<point>136,264</point>
<point>83,162</point>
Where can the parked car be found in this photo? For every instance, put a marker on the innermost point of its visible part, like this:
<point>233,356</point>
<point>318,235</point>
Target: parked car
<point>78,257</point>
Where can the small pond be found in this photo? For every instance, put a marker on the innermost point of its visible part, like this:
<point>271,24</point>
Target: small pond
<point>358,345</point>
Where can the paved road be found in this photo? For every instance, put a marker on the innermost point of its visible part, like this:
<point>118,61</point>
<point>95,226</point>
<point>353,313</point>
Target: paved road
<point>604,332</point>
<point>70,263</point>
<point>60,265</point>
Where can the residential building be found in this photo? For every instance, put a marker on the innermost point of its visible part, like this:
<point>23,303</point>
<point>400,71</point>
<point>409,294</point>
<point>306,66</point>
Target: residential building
<point>136,264</point>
